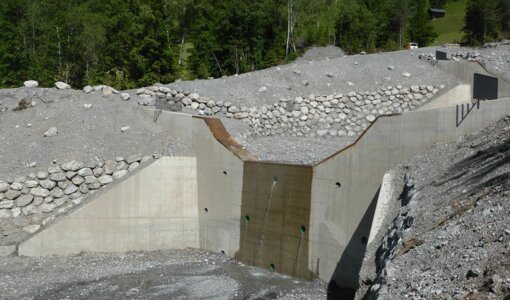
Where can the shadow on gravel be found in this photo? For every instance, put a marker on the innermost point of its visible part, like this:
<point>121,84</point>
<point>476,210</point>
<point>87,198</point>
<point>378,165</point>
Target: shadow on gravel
<point>352,257</point>
<point>478,166</point>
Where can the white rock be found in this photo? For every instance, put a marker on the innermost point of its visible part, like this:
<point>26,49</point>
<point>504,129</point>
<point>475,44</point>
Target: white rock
<point>119,174</point>
<point>40,192</point>
<point>105,179</point>
<point>405,74</point>
<point>125,96</point>
<point>263,89</point>
<point>125,128</point>
<point>31,228</point>
<point>85,172</point>
<point>140,91</point>
<point>133,166</point>
<point>87,105</point>
<point>134,158</point>
<point>31,83</point>
<point>146,100</point>
<point>53,131</point>
<point>5,213</point>
<point>87,89</point>
<point>72,165</point>
<point>6,204</point>
<point>70,189</point>
<point>48,207</point>
<point>4,187</point>
<point>62,85</point>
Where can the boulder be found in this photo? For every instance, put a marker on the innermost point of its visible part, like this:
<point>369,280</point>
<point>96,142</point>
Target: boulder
<point>125,96</point>
<point>31,83</point>
<point>11,194</point>
<point>105,179</point>
<point>88,89</point>
<point>146,100</point>
<point>134,158</point>
<point>72,165</point>
<point>24,200</point>
<point>31,228</point>
<point>40,192</point>
<point>119,174</point>
<point>53,131</point>
<point>62,85</point>
<point>4,187</point>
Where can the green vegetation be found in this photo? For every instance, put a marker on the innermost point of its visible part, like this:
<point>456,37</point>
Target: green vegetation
<point>133,43</point>
<point>449,28</point>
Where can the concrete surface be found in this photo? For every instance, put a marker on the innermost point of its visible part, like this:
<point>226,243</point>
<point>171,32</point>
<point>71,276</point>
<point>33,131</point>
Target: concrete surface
<point>461,94</point>
<point>334,200</point>
<point>341,217</point>
<point>154,208</point>
<point>386,194</point>
<point>465,71</point>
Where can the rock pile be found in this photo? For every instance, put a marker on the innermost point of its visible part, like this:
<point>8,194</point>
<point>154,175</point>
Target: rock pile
<point>333,115</point>
<point>29,202</point>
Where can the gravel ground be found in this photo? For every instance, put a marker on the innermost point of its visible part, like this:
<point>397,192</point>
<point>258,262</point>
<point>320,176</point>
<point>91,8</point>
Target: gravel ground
<point>287,149</point>
<point>82,133</point>
<point>324,77</point>
<point>170,274</point>
<point>458,242</point>
<point>495,59</point>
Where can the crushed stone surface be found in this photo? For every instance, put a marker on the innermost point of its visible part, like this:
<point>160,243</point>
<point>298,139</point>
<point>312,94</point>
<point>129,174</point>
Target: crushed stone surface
<point>458,246</point>
<point>83,133</point>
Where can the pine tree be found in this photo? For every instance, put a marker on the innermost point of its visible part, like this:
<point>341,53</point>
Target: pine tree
<point>420,27</point>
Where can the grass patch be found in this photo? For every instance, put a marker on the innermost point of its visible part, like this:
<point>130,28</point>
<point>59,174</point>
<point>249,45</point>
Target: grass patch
<point>449,28</point>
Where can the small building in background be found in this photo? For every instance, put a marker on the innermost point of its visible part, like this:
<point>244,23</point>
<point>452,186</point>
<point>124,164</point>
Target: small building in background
<point>435,13</point>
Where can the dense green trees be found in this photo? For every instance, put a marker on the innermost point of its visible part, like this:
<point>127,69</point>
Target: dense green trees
<point>138,42</point>
<point>485,20</point>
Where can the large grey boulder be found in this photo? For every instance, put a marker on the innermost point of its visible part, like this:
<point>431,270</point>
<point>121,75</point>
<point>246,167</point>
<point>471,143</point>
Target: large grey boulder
<point>24,200</point>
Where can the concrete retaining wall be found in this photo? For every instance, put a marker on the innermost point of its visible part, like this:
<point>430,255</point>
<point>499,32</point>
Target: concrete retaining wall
<point>465,71</point>
<point>312,221</point>
<point>461,94</point>
<point>155,208</point>
<point>341,216</point>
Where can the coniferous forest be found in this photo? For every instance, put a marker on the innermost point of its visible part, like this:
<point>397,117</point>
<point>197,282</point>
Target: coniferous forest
<point>133,43</point>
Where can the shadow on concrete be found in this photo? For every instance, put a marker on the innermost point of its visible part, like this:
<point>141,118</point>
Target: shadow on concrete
<point>352,257</point>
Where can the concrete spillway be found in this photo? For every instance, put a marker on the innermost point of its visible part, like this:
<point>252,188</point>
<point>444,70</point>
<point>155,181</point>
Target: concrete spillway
<point>307,221</point>
<point>304,221</point>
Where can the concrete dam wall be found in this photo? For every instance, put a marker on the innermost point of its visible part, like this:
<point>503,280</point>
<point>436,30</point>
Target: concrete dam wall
<point>307,221</point>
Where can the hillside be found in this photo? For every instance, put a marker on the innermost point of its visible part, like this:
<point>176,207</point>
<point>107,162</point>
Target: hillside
<point>448,234</point>
<point>449,28</point>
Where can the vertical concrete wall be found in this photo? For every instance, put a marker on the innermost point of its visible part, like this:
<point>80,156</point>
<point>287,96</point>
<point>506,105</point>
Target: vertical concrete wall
<point>466,70</point>
<point>341,214</point>
<point>276,213</point>
<point>155,208</point>
<point>220,184</point>
<point>461,94</point>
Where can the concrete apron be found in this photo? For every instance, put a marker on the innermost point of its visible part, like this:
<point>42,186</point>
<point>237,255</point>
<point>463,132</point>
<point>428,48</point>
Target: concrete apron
<point>304,221</point>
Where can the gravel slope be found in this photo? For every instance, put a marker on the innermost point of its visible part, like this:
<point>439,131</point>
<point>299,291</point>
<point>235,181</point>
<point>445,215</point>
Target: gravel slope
<point>82,133</point>
<point>457,241</point>
<point>325,77</point>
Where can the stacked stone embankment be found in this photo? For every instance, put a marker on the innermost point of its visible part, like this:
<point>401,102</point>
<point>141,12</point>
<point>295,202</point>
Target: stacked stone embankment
<point>28,203</point>
<point>331,115</point>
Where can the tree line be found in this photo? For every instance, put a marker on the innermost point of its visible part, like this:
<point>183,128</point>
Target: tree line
<point>130,43</point>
